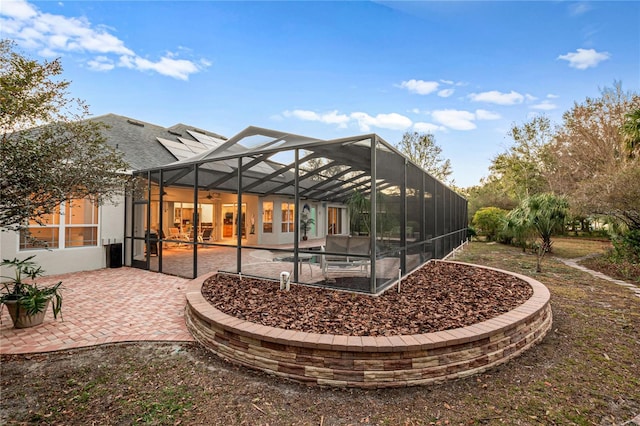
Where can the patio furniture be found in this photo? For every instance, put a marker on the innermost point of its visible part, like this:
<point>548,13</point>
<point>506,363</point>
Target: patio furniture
<point>341,251</point>
<point>206,234</point>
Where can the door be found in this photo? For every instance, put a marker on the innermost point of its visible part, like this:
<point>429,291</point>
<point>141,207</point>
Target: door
<point>139,253</point>
<point>230,220</point>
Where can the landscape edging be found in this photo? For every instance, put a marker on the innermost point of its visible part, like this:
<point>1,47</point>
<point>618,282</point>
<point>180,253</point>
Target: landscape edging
<point>371,361</point>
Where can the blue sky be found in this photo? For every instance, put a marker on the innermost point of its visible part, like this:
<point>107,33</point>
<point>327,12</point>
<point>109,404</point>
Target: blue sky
<point>464,71</point>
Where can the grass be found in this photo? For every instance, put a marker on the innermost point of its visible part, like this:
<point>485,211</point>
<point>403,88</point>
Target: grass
<point>585,372</point>
<point>571,248</point>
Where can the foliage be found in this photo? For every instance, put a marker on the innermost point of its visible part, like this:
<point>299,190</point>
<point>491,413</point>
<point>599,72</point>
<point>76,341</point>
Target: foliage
<point>591,163</point>
<point>521,168</point>
<point>49,153</point>
<point>542,214</point>
<point>631,132</point>
<point>627,246</point>
<point>305,225</point>
<point>611,264</point>
<point>490,193</point>
<point>422,149</point>
<point>471,232</point>
<point>359,212</point>
<point>489,221</point>
<point>28,295</point>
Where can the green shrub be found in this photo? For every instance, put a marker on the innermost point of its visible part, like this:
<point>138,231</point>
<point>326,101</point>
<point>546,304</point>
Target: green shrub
<point>627,246</point>
<point>489,221</point>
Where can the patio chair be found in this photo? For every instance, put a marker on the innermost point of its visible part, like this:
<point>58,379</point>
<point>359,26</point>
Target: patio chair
<point>340,258</point>
<point>174,234</point>
<point>206,234</point>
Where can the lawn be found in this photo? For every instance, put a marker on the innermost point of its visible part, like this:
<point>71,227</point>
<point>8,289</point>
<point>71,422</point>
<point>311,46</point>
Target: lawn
<point>585,372</point>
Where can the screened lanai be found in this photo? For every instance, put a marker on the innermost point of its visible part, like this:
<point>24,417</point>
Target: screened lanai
<point>350,213</point>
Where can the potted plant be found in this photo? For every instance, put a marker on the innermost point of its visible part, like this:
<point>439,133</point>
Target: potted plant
<point>305,226</point>
<point>27,303</point>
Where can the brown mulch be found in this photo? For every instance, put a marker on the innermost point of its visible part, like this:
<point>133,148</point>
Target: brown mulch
<point>439,296</point>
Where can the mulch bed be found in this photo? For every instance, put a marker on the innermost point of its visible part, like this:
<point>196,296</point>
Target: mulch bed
<point>439,296</point>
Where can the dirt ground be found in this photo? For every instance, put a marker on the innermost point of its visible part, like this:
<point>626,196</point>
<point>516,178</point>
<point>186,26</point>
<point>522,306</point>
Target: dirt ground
<point>585,372</point>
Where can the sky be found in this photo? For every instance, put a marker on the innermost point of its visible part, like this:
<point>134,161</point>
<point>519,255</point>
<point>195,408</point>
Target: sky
<point>464,71</point>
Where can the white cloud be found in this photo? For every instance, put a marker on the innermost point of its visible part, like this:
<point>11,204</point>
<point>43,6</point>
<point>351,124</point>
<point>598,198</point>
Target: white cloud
<point>331,117</point>
<point>545,105</point>
<point>428,127</point>
<point>420,87</point>
<point>176,68</point>
<point>530,98</point>
<point>101,63</point>
<point>393,121</point>
<point>365,122</point>
<point>552,96</point>
<point>18,9</point>
<point>53,35</point>
<point>482,114</point>
<point>576,9</point>
<point>499,98</point>
<point>455,119</point>
<point>584,58</point>
<point>459,119</point>
<point>445,93</point>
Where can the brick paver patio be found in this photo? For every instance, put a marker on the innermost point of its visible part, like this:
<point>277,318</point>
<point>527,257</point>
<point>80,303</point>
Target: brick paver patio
<point>105,306</point>
<point>129,304</point>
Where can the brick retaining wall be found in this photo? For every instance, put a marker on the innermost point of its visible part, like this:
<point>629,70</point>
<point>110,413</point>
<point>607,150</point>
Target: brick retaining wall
<point>371,362</point>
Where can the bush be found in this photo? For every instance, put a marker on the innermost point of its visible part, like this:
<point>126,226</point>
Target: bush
<point>627,246</point>
<point>489,221</point>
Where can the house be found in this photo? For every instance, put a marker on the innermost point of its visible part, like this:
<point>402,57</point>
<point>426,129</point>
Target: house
<point>77,245</point>
<point>201,197</point>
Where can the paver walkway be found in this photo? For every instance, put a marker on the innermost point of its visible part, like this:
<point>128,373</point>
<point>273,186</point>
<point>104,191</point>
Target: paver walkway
<point>574,264</point>
<point>105,306</point>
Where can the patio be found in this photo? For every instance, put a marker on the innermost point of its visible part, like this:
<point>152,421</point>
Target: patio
<point>129,304</point>
<point>105,306</point>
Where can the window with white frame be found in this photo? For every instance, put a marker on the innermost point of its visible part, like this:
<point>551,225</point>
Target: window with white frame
<point>73,224</point>
<point>42,236</point>
<point>288,217</point>
<point>81,223</point>
<point>267,217</point>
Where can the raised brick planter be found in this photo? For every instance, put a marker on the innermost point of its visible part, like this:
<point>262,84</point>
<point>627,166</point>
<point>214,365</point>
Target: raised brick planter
<point>371,362</point>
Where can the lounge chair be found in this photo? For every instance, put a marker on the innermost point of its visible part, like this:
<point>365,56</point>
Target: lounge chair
<point>346,254</point>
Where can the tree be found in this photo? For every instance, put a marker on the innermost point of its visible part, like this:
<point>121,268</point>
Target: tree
<point>631,132</point>
<point>521,168</point>
<point>544,214</point>
<point>489,221</point>
<point>591,162</point>
<point>422,149</point>
<point>50,152</point>
<point>490,193</point>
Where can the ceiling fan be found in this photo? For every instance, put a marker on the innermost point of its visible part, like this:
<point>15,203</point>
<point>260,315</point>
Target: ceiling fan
<point>211,196</point>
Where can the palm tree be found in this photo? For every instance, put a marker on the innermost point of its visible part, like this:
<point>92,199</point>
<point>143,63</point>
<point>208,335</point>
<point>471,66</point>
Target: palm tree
<point>631,132</point>
<point>543,214</point>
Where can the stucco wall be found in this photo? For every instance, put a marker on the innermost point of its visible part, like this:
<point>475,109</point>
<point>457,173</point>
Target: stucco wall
<point>63,260</point>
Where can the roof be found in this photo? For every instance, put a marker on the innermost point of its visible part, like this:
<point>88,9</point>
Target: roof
<point>146,145</point>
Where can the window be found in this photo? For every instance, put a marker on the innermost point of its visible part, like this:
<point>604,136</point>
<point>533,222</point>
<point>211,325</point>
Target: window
<point>81,220</point>
<point>73,224</point>
<point>288,217</point>
<point>267,217</point>
<point>45,236</point>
